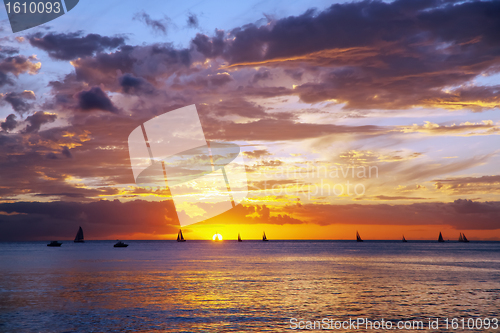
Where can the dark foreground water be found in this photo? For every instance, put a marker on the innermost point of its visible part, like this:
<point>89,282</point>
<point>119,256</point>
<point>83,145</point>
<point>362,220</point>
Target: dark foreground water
<point>253,286</point>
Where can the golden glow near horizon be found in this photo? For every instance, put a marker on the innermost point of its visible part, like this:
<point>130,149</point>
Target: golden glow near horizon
<point>217,237</point>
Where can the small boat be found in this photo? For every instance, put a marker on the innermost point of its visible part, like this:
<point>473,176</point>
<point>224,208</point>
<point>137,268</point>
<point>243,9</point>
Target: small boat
<point>120,244</point>
<point>239,237</point>
<point>180,237</point>
<point>358,238</point>
<point>404,239</point>
<point>264,238</point>
<point>54,244</point>
<point>440,239</point>
<point>462,238</point>
<point>79,236</point>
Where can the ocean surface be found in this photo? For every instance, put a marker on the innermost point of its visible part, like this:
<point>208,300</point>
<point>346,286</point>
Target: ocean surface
<point>252,286</point>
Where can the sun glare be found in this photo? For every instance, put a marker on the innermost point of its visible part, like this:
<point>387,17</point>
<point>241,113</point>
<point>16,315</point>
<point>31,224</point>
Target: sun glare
<point>217,237</point>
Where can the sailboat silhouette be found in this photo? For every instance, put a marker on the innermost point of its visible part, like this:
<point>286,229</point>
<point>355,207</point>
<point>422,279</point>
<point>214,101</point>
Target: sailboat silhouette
<point>180,237</point>
<point>358,238</point>
<point>404,239</point>
<point>440,239</point>
<point>79,236</point>
<point>462,238</point>
<point>264,238</point>
<point>239,237</point>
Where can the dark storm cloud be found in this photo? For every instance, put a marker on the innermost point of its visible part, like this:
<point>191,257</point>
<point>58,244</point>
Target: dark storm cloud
<point>18,101</point>
<point>159,26</point>
<point>73,45</point>
<point>10,123</point>
<point>95,99</point>
<point>192,21</point>
<point>36,120</point>
<point>100,219</point>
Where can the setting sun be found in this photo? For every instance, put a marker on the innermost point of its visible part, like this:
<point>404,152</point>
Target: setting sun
<point>217,237</point>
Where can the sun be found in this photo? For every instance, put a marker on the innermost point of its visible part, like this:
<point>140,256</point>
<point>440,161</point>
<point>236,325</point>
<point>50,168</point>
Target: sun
<point>217,237</point>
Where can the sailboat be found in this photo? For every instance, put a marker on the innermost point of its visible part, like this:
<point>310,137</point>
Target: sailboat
<point>404,239</point>
<point>264,238</point>
<point>180,238</point>
<point>440,239</point>
<point>462,238</point>
<point>239,237</point>
<point>79,236</point>
<point>358,238</point>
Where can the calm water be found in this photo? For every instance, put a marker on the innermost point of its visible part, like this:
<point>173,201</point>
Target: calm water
<point>254,286</point>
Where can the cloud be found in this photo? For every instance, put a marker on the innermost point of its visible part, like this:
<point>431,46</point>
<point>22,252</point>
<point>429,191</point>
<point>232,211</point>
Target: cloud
<point>7,51</point>
<point>192,21</point>
<point>65,151</point>
<point>486,127</point>
<point>100,219</point>
<point>392,198</point>
<point>73,45</point>
<point>261,75</point>
<point>10,123</point>
<point>95,99</point>
<point>151,62</point>
<point>36,120</point>
<point>131,84</point>
<point>258,153</point>
<point>234,106</point>
<point>210,47</point>
<point>469,185</point>
<point>18,100</point>
<point>374,54</point>
<point>17,65</point>
<point>427,170</point>
<point>273,184</point>
<point>159,26</point>
<point>460,214</point>
<point>277,129</point>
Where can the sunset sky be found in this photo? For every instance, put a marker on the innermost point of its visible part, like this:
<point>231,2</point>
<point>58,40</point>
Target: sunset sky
<point>400,100</point>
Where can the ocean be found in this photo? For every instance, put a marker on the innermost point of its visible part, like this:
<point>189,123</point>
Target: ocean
<point>252,286</point>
